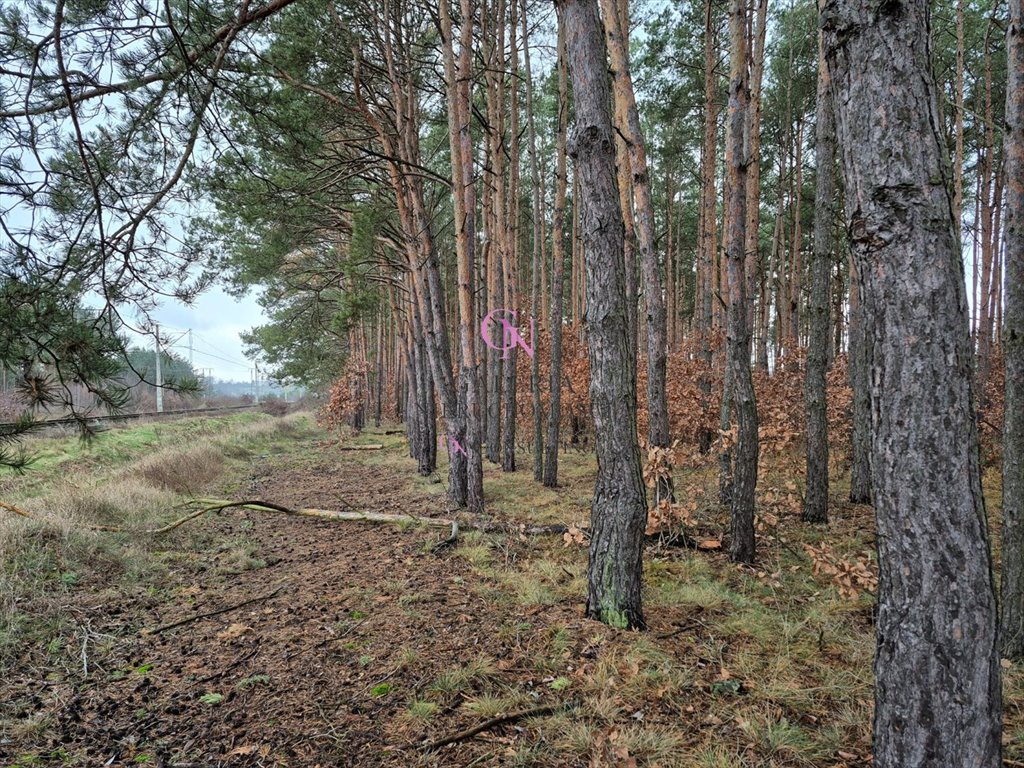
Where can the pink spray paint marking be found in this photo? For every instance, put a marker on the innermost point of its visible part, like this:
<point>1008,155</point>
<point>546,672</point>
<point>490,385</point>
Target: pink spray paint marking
<point>510,338</point>
<point>457,447</point>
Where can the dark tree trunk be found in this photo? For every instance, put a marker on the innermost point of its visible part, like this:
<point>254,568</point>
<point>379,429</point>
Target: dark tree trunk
<point>1013,344</point>
<point>938,697</point>
<point>430,423</point>
<point>740,381</point>
<point>557,272</point>
<point>816,499</point>
<point>724,424</point>
<point>421,393</point>
<point>704,312</point>
<point>619,511</point>
<point>860,439</point>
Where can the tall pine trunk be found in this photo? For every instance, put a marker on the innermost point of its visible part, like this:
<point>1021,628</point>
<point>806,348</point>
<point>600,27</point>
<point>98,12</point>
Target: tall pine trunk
<point>740,382</point>
<point>708,223</point>
<point>464,198</point>
<point>557,272</point>
<point>511,216</point>
<point>819,336</point>
<point>619,510</point>
<point>628,126</point>
<point>937,694</point>
<point>1013,344</point>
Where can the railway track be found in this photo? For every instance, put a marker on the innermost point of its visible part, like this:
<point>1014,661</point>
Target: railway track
<point>71,420</point>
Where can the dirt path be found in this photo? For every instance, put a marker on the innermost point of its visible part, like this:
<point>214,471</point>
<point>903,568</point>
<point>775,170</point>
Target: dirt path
<point>321,673</point>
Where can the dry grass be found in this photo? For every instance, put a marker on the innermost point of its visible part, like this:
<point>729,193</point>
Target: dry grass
<point>188,471</point>
<point>135,480</point>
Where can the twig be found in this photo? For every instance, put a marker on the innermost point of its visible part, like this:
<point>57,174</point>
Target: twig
<point>218,612</point>
<point>673,633</point>
<point>220,673</point>
<point>492,723</point>
<point>85,657</point>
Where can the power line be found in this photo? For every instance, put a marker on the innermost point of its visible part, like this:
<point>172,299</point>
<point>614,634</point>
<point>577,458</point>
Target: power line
<point>235,363</point>
<point>210,345</point>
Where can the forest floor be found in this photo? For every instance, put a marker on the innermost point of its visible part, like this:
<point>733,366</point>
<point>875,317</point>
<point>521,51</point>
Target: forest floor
<point>362,643</point>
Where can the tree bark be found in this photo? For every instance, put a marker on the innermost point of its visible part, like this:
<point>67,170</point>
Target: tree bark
<point>938,697</point>
<point>816,498</point>
<point>1013,344</point>
<point>378,383</point>
<point>493,33</point>
<point>619,510</point>
<point>628,124</point>
<point>792,343</point>
<point>458,81</point>
<point>508,434</point>
<point>671,307</point>
<point>741,384</point>
<point>557,272</point>
<point>400,140</point>
<point>708,223</point>
<point>859,365</point>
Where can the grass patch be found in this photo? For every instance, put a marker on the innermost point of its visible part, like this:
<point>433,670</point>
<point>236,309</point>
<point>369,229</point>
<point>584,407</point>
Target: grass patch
<point>463,676</point>
<point>133,478</point>
<point>423,711</point>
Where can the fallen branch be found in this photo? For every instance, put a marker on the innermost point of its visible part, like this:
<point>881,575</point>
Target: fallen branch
<point>484,526</point>
<point>367,447</point>
<point>207,615</point>
<point>217,505</point>
<point>489,724</point>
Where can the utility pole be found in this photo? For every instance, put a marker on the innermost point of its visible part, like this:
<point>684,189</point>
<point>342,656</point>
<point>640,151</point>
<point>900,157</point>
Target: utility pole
<point>190,362</point>
<point>257,384</point>
<point>159,376</point>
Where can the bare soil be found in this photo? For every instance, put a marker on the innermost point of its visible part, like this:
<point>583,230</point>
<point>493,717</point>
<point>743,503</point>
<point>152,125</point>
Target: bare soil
<point>364,617</point>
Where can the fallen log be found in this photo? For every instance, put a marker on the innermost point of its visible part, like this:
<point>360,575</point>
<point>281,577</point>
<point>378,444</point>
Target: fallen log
<point>367,447</point>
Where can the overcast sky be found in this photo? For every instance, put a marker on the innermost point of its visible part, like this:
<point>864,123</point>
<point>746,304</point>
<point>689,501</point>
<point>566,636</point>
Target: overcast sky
<point>216,320</point>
